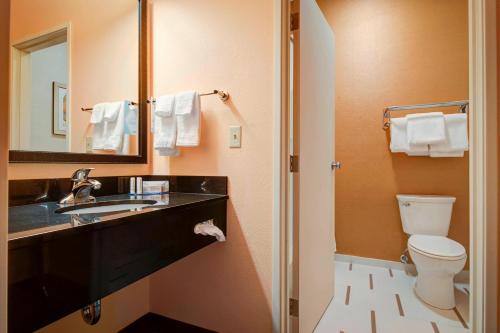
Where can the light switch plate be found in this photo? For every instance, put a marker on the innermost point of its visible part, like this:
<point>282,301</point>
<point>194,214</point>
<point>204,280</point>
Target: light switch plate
<point>88,144</point>
<point>235,137</point>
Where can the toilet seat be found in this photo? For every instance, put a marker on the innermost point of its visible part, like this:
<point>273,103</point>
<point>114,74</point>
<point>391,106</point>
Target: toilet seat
<point>438,247</point>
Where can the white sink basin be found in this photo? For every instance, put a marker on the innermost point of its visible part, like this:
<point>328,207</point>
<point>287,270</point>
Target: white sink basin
<point>106,207</point>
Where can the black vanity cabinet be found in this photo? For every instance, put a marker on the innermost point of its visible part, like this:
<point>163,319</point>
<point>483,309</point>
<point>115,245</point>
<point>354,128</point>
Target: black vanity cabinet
<point>56,273</point>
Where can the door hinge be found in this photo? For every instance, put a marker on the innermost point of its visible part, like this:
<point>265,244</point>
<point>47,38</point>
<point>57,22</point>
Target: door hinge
<point>294,163</point>
<point>294,22</point>
<point>294,307</point>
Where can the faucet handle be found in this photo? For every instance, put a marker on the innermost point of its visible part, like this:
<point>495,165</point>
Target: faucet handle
<point>81,174</point>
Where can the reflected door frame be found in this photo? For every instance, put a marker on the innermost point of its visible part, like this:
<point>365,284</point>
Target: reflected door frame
<point>20,103</point>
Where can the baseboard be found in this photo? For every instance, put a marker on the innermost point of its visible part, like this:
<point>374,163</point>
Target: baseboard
<point>462,277</point>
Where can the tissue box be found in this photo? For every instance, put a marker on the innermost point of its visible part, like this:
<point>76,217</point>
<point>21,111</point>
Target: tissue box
<point>155,187</point>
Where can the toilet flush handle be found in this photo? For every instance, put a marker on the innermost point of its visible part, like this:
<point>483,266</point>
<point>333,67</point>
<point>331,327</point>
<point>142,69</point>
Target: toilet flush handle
<point>406,204</point>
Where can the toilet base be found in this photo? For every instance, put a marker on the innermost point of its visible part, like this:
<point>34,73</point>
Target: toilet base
<point>437,290</point>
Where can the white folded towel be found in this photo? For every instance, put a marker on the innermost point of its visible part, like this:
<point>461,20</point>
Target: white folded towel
<point>399,136</point>
<point>426,128</point>
<point>114,119</point>
<point>109,123</point>
<point>131,120</point>
<point>187,111</point>
<point>164,105</point>
<point>112,110</point>
<point>98,113</point>
<point>97,120</point>
<point>456,137</point>
<point>165,125</point>
<point>399,139</point>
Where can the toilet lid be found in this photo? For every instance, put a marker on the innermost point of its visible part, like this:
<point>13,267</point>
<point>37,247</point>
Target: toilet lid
<point>437,246</point>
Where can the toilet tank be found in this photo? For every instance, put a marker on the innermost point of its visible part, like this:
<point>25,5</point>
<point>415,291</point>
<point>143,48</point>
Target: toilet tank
<point>425,214</point>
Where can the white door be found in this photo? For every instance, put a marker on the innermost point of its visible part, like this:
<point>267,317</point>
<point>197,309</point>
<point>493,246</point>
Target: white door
<point>316,243</point>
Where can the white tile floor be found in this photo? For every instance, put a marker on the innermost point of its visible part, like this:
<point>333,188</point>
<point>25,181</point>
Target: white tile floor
<point>374,299</point>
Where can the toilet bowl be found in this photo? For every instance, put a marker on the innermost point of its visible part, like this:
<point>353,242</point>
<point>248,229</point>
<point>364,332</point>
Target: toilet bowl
<point>426,219</point>
<point>437,259</point>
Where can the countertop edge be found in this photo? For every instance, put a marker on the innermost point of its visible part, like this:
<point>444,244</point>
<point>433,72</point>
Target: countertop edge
<point>21,241</point>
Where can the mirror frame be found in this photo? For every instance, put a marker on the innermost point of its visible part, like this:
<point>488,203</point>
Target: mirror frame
<point>24,156</point>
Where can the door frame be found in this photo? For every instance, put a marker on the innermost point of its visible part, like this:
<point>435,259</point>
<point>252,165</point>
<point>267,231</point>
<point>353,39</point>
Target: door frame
<point>20,80</point>
<point>483,166</point>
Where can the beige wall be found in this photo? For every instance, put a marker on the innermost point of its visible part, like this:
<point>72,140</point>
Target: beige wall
<point>4,132</point>
<point>392,53</point>
<point>222,44</point>
<point>103,51</point>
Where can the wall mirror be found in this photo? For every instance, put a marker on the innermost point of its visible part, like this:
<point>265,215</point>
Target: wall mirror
<point>78,81</point>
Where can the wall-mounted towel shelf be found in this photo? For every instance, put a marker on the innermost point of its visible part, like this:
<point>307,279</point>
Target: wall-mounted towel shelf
<point>90,109</point>
<point>223,95</point>
<point>386,118</point>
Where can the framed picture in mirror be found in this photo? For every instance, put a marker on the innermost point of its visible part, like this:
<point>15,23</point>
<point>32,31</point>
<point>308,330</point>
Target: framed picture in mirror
<point>59,108</point>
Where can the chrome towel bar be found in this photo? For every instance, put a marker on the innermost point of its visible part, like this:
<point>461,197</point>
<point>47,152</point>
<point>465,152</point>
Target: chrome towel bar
<point>90,109</point>
<point>223,95</point>
<point>386,117</point>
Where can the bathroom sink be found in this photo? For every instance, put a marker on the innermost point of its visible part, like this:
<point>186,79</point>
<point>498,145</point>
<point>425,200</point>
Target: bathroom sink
<point>106,206</point>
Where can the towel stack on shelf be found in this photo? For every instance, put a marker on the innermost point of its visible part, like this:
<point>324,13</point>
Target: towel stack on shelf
<point>430,134</point>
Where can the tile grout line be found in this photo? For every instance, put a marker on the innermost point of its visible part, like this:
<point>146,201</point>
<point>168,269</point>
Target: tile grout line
<point>435,327</point>
<point>373,322</point>
<point>400,306</point>
<point>347,295</point>
<point>462,321</point>
<point>371,281</point>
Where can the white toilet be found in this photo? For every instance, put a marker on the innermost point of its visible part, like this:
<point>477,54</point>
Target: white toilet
<point>426,219</point>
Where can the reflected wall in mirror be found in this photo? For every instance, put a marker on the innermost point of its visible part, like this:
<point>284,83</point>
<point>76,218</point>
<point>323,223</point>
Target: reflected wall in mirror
<point>75,76</point>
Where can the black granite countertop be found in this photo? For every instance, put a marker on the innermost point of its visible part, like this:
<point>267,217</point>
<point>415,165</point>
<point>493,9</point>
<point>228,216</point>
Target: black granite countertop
<point>36,219</point>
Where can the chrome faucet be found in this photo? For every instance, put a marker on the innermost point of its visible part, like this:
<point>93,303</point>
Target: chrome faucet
<point>82,186</point>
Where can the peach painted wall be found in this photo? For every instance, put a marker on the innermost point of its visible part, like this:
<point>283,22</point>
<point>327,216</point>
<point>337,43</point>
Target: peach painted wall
<point>4,146</point>
<point>392,53</point>
<point>103,51</point>
<point>229,45</point>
